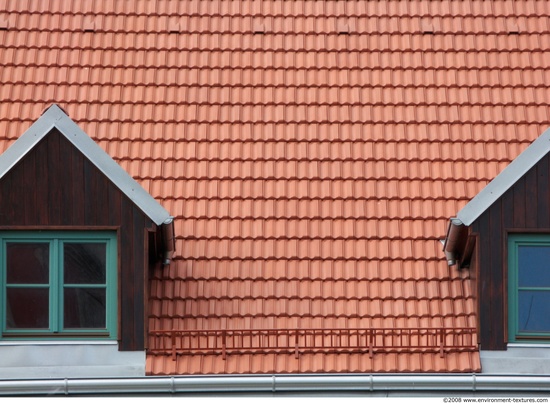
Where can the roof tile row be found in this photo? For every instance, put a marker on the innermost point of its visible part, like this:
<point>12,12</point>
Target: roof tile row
<point>335,156</point>
<point>173,136</point>
<point>304,307</point>
<point>307,248</point>
<point>308,228</point>
<point>401,208</point>
<point>270,80</point>
<point>343,173</point>
<point>169,45</point>
<point>311,322</point>
<point>308,99</point>
<point>421,269</point>
<point>302,114</point>
<point>315,290</point>
<point>313,363</point>
<point>316,9</point>
<point>273,24</point>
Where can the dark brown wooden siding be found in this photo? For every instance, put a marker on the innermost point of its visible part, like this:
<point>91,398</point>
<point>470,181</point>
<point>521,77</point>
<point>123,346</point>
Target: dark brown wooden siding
<point>523,208</point>
<point>55,185</point>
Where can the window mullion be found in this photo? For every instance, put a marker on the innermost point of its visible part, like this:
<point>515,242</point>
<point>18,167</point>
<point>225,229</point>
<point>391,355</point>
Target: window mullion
<point>56,274</point>
<point>3,283</point>
<point>513,293</point>
<point>111,296</point>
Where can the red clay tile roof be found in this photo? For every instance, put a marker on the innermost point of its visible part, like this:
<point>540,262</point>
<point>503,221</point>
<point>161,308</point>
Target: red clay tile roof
<point>311,152</point>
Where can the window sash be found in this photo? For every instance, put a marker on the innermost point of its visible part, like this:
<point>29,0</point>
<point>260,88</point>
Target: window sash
<point>56,285</point>
<point>515,241</point>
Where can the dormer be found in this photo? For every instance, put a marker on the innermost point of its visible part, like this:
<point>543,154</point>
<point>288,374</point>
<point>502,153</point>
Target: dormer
<point>78,237</point>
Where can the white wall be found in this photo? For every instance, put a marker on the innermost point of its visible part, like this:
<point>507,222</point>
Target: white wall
<point>68,359</point>
<point>518,359</point>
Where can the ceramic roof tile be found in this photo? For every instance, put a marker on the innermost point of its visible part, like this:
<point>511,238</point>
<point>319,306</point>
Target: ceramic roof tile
<point>303,166</point>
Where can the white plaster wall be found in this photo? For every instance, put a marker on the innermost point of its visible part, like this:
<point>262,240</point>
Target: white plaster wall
<point>518,359</point>
<point>69,359</point>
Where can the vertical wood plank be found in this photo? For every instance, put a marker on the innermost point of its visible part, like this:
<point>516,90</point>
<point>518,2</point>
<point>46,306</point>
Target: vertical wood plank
<point>140,262</point>
<point>518,192</point>
<point>77,188</point>
<point>68,188</point>
<point>543,193</point>
<point>40,181</point>
<point>127,278</point>
<point>508,207</point>
<point>531,199</point>
<point>484,279</point>
<point>53,190</point>
<point>87,200</point>
<point>496,292</point>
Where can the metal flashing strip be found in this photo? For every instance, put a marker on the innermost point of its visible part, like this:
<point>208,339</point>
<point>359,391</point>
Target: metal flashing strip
<point>506,179</point>
<point>28,140</point>
<point>55,117</point>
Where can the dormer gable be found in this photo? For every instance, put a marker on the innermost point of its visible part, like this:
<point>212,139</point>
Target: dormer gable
<point>55,118</point>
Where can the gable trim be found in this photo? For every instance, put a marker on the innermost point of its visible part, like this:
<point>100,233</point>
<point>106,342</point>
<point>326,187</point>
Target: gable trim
<point>506,179</point>
<point>55,118</point>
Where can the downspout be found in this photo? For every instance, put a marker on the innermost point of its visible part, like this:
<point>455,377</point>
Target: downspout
<point>168,240</point>
<point>405,383</point>
<point>454,241</point>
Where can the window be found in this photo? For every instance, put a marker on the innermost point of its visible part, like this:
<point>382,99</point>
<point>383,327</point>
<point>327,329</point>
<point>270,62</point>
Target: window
<point>58,284</point>
<point>528,287</point>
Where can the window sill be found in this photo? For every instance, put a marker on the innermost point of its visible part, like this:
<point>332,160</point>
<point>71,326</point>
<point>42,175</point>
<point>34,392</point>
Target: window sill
<point>56,342</point>
<point>523,344</point>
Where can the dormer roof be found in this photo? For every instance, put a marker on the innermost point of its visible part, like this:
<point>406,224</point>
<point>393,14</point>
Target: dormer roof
<point>505,179</point>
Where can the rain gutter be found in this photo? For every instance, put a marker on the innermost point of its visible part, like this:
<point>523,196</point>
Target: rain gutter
<point>454,241</point>
<point>168,240</point>
<point>279,383</point>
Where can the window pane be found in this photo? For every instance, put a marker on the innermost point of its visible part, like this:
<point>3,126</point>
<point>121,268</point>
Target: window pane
<point>534,311</point>
<point>534,266</point>
<point>28,308</point>
<point>84,308</point>
<point>27,263</point>
<point>84,263</point>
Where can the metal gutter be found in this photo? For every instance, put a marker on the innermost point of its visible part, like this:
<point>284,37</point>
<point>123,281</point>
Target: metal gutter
<point>454,240</point>
<point>168,240</point>
<point>279,383</point>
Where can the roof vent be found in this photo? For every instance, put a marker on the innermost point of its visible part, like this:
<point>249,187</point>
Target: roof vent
<point>512,27</point>
<point>259,27</point>
<point>429,26</point>
<point>174,28</point>
<point>343,27</point>
<point>88,25</point>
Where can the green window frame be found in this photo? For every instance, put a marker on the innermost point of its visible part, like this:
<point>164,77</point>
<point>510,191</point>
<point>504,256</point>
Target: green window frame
<point>58,284</point>
<point>528,287</point>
